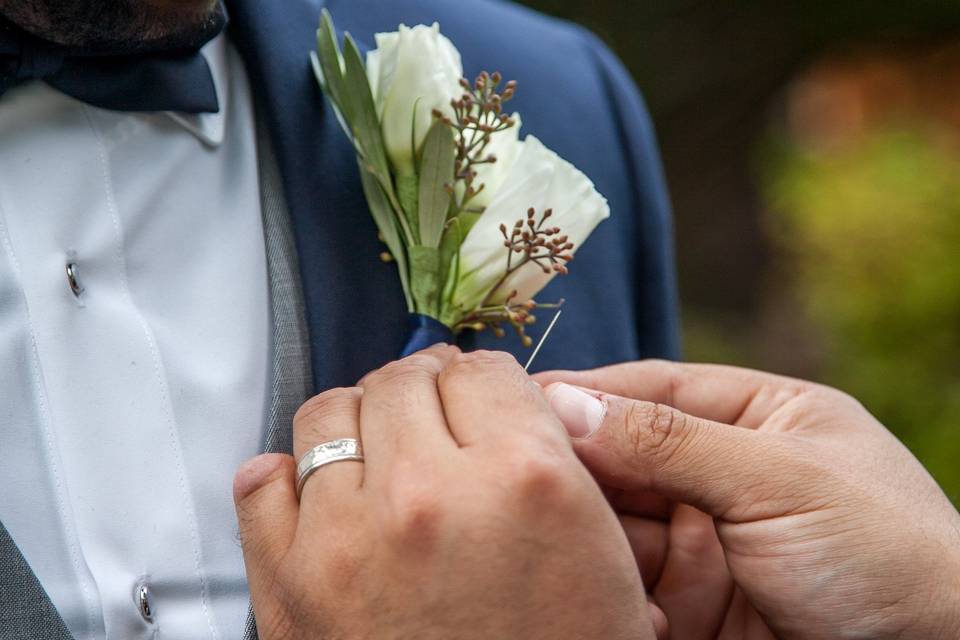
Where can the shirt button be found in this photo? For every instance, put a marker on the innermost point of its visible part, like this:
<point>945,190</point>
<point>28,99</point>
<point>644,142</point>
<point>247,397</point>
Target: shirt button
<point>142,596</point>
<point>73,279</point>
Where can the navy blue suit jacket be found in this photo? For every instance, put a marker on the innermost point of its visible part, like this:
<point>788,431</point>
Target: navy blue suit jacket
<point>573,94</point>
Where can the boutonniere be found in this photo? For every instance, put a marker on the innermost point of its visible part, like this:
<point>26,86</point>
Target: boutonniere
<point>477,220</point>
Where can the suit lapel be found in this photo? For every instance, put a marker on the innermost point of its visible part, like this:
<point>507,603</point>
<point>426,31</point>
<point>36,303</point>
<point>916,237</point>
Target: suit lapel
<point>355,309</point>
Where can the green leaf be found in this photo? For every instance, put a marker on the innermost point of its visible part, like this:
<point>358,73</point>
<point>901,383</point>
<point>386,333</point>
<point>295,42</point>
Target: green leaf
<point>450,271</point>
<point>329,71</point>
<point>425,279</point>
<point>386,220</point>
<point>436,172</point>
<point>467,220</point>
<point>318,72</point>
<point>364,119</point>
<point>366,128</point>
<point>413,133</point>
<point>343,77</point>
<point>407,192</point>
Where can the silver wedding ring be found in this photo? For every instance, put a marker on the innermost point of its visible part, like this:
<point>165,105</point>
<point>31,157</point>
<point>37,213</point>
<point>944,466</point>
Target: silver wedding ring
<point>324,454</point>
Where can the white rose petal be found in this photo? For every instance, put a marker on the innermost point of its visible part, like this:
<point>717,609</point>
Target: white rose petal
<point>506,146</point>
<point>412,72</point>
<point>541,179</point>
<point>382,62</point>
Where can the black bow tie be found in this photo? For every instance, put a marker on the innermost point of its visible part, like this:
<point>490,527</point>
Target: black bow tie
<point>177,80</point>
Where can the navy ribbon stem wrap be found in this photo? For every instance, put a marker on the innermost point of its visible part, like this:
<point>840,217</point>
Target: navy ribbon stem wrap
<point>425,332</point>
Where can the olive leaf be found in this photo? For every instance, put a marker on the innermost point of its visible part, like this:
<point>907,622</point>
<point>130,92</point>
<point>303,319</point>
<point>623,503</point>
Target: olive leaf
<point>425,279</point>
<point>386,222</point>
<point>329,69</point>
<point>436,176</point>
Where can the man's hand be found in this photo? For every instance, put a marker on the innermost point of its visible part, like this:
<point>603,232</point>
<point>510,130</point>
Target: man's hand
<point>829,527</point>
<point>470,518</point>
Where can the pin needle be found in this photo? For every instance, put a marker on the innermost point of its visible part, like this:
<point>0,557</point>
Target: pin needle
<point>543,339</point>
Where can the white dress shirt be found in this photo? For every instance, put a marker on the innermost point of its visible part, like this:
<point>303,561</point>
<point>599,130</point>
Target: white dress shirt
<point>126,409</point>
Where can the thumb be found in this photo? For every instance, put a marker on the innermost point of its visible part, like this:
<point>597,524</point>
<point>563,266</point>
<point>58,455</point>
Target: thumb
<point>729,472</point>
<point>267,511</point>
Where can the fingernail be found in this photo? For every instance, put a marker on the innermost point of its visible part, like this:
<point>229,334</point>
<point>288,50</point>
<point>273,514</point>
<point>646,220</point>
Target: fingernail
<point>579,412</point>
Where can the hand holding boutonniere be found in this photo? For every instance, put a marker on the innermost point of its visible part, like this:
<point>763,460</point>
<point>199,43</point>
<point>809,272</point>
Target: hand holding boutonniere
<point>477,220</point>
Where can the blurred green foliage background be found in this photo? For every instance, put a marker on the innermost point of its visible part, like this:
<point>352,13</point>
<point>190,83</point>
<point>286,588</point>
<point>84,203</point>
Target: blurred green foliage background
<point>871,234</point>
<point>813,155</point>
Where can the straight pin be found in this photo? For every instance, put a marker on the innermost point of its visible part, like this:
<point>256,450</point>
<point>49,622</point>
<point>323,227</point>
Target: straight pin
<point>543,339</point>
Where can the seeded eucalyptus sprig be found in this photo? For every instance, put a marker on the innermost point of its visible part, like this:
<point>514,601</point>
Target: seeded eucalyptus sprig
<point>478,115</point>
<point>533,243</point>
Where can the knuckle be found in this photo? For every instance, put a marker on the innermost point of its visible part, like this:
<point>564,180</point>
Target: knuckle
<point>481,366</point>
<point>654,430</point>
<point>258,476</point>
<point>329,404</point>
<point>400,385</point>
<point>657,363</point>
<point>540,474</point>
<point>401,372</point>
<point>415,513</point>
<point>492,358</point>
<point>481,361</point>
<point>829,397</point>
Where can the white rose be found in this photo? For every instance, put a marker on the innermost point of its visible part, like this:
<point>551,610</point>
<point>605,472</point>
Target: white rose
<point>541,179</point>
<point>411,73</point>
